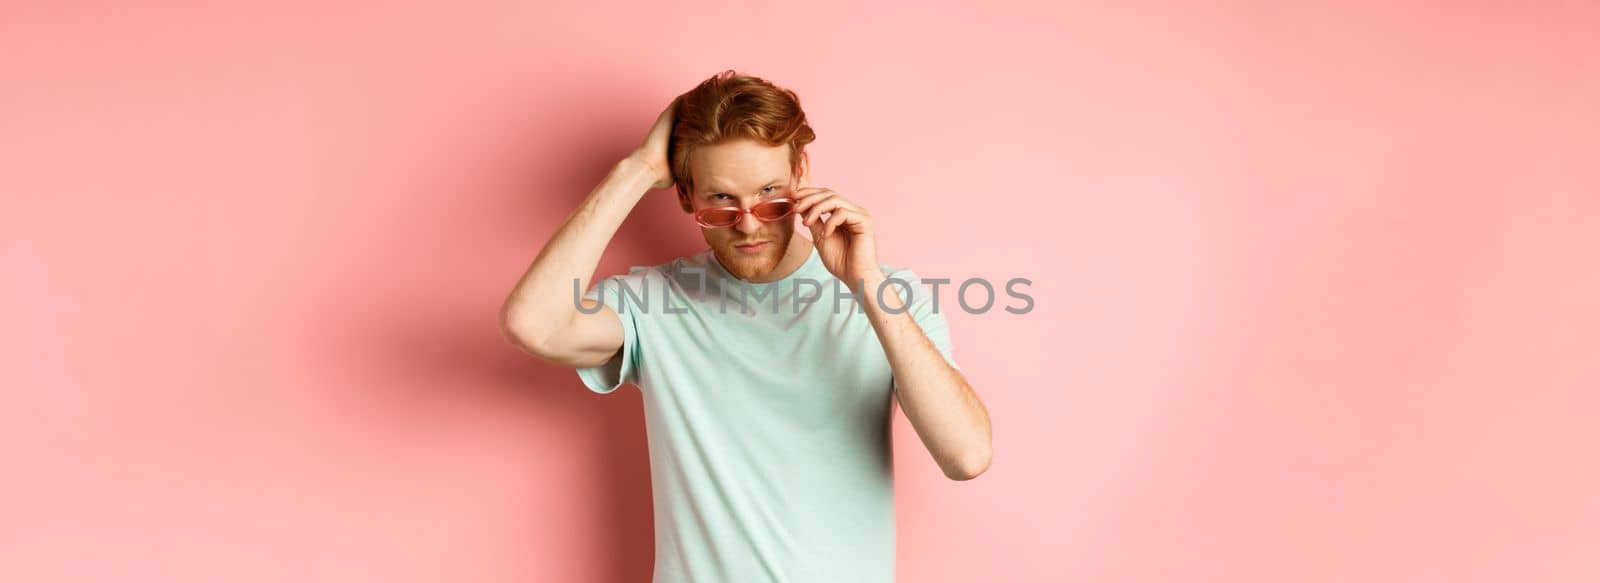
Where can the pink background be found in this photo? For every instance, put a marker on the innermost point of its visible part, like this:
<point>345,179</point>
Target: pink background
<point>1315,287</point>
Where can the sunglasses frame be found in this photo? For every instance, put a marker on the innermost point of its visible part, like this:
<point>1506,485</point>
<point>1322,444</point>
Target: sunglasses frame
<point>741,212</point>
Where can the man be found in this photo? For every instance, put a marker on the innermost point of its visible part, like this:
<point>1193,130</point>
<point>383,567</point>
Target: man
<point>768,363</point>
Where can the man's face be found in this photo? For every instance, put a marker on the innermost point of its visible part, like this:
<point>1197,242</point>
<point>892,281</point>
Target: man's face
<point>742,173</point>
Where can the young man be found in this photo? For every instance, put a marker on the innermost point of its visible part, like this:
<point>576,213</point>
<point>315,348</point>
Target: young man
<point>769,362</point>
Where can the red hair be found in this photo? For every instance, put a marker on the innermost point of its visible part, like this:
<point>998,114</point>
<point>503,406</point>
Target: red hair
<point>731,106</point>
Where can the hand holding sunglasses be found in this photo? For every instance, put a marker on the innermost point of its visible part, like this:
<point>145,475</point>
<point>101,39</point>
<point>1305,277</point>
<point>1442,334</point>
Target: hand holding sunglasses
<point>844,239</point>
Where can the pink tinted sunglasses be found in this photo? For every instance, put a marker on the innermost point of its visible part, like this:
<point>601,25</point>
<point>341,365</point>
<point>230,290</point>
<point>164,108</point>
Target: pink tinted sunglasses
<point>728,216</point>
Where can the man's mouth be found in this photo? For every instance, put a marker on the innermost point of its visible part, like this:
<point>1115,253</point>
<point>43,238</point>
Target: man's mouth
<point>752,247</point>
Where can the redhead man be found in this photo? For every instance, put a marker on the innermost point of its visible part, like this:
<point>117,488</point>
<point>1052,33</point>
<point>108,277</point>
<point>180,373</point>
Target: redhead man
<point>769,363</point>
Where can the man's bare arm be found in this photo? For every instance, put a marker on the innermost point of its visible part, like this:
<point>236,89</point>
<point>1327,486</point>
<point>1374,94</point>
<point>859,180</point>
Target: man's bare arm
<point>539,315</point>
<point>946,412</point>
<point>942,407</point>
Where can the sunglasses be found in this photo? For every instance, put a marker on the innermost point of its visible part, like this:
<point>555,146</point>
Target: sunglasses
<point>728,216</point>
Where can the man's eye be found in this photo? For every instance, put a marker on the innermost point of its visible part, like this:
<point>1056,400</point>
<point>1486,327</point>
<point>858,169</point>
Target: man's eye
<point>716,196</point>
<point>770,188</point>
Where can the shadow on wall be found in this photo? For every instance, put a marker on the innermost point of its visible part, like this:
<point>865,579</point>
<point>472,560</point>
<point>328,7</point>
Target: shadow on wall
<point>655,232</point>
<point>450,346</point>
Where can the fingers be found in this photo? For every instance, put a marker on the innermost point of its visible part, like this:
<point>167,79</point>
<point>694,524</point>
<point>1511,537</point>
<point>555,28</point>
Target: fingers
<point>853,221</point>
<point>806,196</point>
<point>812,208</point>
<point>833,221</point>
<point>830,206</point>
<point>812,205</point>
<point>805,193</point>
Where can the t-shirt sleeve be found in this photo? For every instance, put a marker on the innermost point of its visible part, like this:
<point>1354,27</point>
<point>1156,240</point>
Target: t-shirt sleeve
<point>623,366</point>
<point>926,310</point>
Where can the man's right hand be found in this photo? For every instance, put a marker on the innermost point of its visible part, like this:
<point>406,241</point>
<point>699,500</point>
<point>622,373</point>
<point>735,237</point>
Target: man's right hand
<point>653,151</point>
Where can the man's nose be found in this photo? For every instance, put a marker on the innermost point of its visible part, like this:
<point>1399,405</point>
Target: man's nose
<point>749,223</point>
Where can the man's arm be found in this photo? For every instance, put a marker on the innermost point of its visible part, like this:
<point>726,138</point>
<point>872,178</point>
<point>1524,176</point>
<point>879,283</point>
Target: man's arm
<point>952,422</point>
<point>946,412</point>
<point>539,315</point>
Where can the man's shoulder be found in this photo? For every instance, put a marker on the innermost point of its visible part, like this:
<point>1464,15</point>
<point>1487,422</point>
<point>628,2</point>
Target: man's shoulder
<point>900,273</point>
<point>672,269</point>
<point>914,287</point>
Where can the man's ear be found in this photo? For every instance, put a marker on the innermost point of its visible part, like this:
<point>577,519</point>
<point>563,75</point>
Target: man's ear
<point>805,170</point>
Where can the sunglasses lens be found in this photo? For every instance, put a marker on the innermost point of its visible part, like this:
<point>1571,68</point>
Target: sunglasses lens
<point>773,210</point>
<point>718,217</point>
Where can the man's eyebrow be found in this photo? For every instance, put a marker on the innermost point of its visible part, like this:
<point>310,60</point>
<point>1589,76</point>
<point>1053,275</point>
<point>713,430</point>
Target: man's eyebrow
<point>715,191</point>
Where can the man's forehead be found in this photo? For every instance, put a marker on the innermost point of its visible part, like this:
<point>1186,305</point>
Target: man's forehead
<point>739,164</point>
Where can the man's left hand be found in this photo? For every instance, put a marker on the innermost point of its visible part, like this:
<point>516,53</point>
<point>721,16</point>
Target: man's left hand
<point>844,237</point>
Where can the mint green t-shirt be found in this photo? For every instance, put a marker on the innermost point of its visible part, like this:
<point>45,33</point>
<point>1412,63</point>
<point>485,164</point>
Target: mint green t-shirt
<point>768,419</point>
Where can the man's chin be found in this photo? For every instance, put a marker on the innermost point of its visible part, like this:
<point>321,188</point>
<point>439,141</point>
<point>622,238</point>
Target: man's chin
<point>745,266</point>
